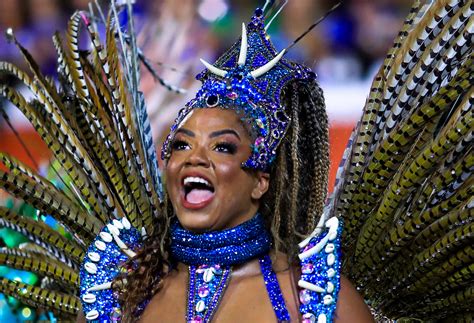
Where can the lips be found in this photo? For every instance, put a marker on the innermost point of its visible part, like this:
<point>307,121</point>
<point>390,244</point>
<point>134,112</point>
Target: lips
<point>197,191</point>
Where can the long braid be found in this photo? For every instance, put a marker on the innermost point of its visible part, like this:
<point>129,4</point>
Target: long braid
<point>295,181</point>
<point>318,130</point>
<point>276,220</point>
<point>303,162</point>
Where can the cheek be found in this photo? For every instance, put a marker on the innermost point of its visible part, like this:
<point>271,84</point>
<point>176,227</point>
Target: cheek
<point>228,169</point>
<point>234,179</point>
<point>171,173</point>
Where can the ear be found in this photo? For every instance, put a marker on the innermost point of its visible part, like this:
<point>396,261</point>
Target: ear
<point>262,181</point>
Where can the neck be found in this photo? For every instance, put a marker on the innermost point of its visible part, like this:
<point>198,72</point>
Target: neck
<point>228,247</point>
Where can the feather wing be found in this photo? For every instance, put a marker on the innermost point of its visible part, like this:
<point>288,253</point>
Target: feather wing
<point>405,188</point>
<point>95,123</point>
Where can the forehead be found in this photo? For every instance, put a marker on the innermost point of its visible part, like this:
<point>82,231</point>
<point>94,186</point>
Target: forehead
<point>209,119</point>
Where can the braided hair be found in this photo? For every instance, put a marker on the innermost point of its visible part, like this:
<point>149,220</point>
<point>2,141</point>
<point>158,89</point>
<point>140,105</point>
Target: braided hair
<point>298,180</point>
<point>291,207</point>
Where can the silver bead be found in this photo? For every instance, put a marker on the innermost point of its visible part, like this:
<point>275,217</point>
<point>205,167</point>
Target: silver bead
<point>208,275</point>
<point>100,245</point>
<point>329,248</point>
<point>322,318</point>
<point>331,259</point>
<point>328,299</point>
<point>331,272</point>
<point>330,287</point>
<point>117,224</point>
<point>126,223</point>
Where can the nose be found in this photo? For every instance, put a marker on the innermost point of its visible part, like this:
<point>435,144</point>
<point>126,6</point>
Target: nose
<point>198,157</point>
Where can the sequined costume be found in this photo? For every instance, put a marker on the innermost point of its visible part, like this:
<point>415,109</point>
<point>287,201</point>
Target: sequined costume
<point>404,188</point>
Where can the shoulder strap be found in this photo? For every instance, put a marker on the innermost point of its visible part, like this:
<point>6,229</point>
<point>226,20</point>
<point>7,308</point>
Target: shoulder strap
<point>320,273</point>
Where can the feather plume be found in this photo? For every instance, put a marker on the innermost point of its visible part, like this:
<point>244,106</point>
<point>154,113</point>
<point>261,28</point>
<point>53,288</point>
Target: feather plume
<point>64,305</point>
<point>405,187</point>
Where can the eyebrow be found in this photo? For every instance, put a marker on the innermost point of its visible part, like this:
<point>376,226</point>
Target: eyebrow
<point>224,132</point>
<point>185,131</point>
<point>213,134</point>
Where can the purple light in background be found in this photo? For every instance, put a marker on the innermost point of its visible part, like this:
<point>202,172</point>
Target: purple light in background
<point>212,10</point>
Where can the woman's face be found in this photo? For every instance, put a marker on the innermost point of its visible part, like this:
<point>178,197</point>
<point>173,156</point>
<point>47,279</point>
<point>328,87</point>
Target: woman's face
<point>206,184</point>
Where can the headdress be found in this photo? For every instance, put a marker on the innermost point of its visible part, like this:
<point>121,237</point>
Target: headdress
<point>249,78</point>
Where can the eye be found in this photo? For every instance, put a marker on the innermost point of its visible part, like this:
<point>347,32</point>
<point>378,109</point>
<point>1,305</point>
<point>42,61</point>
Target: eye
<point>179,145</point>
<point>226,147</point>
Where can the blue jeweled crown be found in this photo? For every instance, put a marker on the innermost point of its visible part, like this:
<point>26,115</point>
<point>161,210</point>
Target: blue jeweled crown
<point>249,78</point>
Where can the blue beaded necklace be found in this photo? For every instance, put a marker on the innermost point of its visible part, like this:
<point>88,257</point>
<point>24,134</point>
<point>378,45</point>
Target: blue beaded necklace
<point>210,256</point>
<point>227,247</point>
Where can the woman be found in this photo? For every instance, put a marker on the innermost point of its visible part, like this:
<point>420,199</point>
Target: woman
<point>245,171</point>
<point>197,152</point>
<point>218,178</point>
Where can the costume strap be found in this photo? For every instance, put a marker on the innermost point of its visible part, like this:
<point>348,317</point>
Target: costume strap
<point>273,289</point>
<point>101,266</point>
<point>320,274</point>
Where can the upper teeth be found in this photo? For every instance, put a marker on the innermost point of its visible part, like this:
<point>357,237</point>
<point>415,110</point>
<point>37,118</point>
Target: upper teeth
<point>188,180</point>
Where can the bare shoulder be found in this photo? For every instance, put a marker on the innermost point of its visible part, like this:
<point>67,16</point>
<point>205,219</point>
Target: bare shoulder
<point>350,305</point>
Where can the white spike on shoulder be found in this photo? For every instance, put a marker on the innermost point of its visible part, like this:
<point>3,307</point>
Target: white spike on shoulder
<point>143,231</point>
<point>317,248</point>
<point>306,285</point>
<point>214,69</point>
<point>126,250</point>
<point>100,287</point>
<point>319,228</point>
<point>243,47</point>
<point>265,68</point>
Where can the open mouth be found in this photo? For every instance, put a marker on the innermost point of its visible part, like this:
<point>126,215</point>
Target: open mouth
<point>197,191</point>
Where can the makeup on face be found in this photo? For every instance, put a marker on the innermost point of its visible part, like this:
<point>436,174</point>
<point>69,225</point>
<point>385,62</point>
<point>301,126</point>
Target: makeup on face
<point>206,183</point>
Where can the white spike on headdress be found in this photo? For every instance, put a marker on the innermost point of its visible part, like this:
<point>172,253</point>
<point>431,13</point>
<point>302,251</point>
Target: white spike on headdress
<point>243,47</point>
<point>214,69</point>
<point>265,68</point>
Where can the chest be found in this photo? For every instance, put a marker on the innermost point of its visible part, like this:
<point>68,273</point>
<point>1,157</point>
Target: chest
<point>244,300</point>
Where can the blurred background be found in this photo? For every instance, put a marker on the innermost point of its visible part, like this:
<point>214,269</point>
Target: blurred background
<point>345,51</point>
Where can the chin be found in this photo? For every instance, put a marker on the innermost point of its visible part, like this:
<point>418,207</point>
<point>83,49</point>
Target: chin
<point>196,221</point>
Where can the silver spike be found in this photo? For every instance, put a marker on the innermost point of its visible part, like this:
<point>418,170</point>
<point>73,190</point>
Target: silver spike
<point>265,68</point>
<point>243,47</point>
<point>214,69</point>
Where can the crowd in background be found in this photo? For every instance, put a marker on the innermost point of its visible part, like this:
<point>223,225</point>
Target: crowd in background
<point>346,46</point>
<point>345,50</point>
